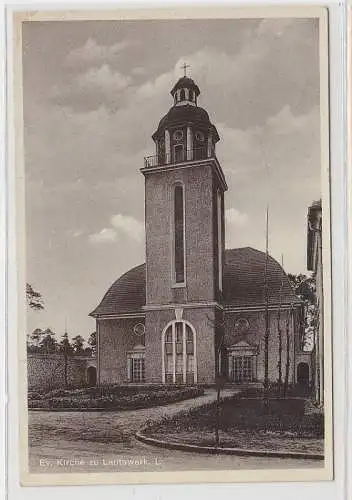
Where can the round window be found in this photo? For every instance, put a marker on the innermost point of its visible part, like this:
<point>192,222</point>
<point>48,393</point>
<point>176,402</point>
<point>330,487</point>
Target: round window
<point>178,135</point>
<point>242,325</point>
<point>139,329</point>
<point>200,136</point>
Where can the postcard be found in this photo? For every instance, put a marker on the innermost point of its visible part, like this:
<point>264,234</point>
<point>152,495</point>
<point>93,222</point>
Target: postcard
<point>173,240</point>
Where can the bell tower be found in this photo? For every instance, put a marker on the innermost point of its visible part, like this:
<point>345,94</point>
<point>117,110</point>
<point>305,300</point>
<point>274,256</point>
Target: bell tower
<point>184,205</point>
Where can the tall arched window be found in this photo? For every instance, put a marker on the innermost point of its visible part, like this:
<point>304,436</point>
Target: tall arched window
<point>179,353</point>
<point>182,95</point>
<point>179,236</point>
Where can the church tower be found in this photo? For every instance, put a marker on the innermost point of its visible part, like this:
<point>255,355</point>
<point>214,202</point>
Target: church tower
<point>184,223</point>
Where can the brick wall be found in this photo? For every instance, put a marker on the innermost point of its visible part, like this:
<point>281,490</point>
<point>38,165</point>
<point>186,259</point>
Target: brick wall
<point>116,338</point>
<point>198,182</point>
<point>255,336</point>
<point>47,371</point>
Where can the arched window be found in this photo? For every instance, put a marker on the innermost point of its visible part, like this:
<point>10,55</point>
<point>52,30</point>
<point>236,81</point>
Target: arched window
<point>179,236</point>
<point>182,95</point>
<point>191,95</point>
<point>179,353</point>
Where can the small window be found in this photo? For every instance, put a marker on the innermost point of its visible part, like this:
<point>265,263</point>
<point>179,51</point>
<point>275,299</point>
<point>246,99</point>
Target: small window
<point>200,136</point>
<point>182,95</point>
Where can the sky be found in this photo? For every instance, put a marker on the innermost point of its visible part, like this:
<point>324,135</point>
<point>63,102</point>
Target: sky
<point>94,92</point>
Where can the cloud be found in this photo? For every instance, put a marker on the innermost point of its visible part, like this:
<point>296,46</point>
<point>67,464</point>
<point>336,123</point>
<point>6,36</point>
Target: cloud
<point>235,218</point>
<point>251,72</point>
<point>125,224</point>
<point>102,78</point>
<point>106,235</point>
<point>128,225</point>
<point>92,53</point>
<point>92,89</point>
<point>139,71</point>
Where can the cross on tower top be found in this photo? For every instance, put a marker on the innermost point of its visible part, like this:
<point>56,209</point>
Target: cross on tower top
<point>184,67</point>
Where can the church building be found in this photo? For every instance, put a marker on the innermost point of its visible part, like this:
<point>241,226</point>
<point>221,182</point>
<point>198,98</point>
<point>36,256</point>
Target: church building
<point>195,310</point>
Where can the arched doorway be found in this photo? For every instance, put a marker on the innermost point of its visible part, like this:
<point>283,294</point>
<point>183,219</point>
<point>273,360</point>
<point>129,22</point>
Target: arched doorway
<point>303,374</point>
<point>179,353</point>
<point>92,376</point>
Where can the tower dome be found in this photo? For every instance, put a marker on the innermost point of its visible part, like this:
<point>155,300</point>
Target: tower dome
<point>185,91</point>
<point>185,132</point>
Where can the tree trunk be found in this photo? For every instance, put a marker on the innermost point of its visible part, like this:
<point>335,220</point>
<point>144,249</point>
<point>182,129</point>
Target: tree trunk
<point>287,371</point>
<point>279,364</point>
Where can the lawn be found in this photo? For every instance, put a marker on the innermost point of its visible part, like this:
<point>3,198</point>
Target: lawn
<point>291,424</point>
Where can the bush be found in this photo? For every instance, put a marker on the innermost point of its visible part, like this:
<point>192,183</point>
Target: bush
<point>113,399</point>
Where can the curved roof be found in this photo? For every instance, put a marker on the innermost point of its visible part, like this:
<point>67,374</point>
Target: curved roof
<point>244,278</point>
<point>185,82</point>
<point>178,115</point>
<point>243,284</point>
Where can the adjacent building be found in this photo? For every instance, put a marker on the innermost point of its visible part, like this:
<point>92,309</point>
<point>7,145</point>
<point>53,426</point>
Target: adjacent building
<point>314,264</point>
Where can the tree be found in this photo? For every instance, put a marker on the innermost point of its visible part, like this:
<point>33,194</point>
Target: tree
<point>42,341</point>
<point>34,298</point>
<point>33,340</point>
<point>287,368</point>
<point>66,349</point>
<point>304,287</point>
<point>48,343</point>
<point>220,378</point>
<point>77,344</point>
<point>92,342</point>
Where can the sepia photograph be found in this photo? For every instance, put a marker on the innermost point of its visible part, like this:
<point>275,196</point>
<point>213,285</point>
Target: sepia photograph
<point>175,241</point>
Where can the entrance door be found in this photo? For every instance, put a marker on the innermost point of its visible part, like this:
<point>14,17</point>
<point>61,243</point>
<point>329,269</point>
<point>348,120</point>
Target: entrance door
<point>303,374</point>
<point>242,369</point>
<point>92,376</point>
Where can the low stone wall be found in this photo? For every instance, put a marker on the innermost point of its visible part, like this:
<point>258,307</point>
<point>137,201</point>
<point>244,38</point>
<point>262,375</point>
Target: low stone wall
<point>47,371</point>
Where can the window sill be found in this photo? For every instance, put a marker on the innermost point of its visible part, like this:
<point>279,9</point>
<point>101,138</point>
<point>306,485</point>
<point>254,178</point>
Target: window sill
<point>178,285</point>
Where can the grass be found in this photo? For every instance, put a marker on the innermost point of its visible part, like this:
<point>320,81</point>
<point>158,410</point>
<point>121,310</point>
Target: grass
<point>291,424</point>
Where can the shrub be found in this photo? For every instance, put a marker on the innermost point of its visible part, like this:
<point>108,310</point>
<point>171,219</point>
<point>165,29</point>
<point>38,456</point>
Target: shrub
<point>114,398</point>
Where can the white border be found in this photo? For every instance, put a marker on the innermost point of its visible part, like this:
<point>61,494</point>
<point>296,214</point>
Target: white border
<point>334,490</point>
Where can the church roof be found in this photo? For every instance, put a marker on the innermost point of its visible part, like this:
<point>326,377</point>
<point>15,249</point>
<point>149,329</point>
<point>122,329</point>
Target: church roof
<point>243,284</point>
<point>185,82</point>
<point>244,278</point>
<point>178,115</point>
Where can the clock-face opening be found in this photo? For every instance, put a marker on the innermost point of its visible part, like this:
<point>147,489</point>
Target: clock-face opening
<point>200,136</point>
<point>178,135</point>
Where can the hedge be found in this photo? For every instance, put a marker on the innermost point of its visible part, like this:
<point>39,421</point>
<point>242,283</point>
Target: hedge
<point>110,400</point>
